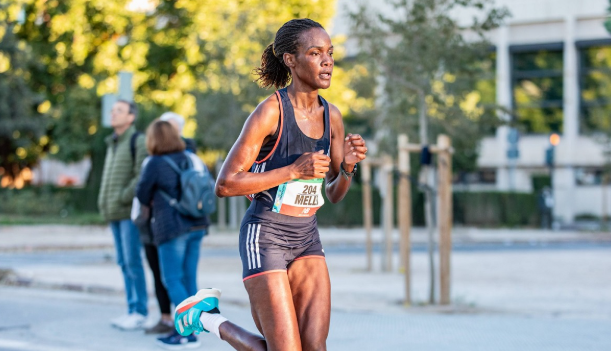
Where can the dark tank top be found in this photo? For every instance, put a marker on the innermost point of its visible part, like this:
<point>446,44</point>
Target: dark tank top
<point>298,200</point>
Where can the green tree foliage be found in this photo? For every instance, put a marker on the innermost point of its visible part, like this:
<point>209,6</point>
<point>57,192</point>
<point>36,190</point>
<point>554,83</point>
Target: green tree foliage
<point>193,57</point>
<point>21,125</point>
<point>432,64</point>
<point>189,56</point>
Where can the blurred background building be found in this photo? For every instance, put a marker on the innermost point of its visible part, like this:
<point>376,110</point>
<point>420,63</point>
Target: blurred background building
<point>553,69</point>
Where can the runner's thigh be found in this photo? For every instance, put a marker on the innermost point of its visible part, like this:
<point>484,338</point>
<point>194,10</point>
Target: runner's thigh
<point>311,287</point>
<point>273,311</point>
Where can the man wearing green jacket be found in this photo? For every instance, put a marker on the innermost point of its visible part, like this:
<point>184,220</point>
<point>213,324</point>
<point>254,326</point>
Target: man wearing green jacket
<point>124,155</point>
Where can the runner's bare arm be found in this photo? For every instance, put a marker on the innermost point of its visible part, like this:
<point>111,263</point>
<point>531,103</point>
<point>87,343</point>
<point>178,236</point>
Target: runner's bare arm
<point>235,178</point>
<point>349,150</point>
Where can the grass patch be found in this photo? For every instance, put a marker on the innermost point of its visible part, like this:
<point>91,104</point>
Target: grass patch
<point>68,219</point>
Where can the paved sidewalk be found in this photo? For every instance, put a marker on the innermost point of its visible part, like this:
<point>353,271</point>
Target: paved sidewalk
<point>516,290</point>
<point>65,321</point>
<point>561,282</point>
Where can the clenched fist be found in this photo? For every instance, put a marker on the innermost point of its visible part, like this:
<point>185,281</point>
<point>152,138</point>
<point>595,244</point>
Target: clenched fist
<point>355,150</point>
<point>311,165</point>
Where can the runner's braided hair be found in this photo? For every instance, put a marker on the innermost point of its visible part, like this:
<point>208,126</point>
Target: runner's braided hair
<point>273,70</point>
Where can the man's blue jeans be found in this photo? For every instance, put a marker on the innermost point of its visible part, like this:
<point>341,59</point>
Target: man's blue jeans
<point>127,242</point>
<point>178,260</point>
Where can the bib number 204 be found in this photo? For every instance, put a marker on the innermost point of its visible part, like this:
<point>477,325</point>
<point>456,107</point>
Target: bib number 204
<point>309,189</point>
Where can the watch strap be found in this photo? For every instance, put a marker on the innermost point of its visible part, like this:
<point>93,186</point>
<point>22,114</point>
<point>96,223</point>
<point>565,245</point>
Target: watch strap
<point>345,173</point>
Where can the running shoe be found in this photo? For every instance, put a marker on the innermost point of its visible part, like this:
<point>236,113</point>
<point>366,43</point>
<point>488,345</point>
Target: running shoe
<point>135,321</point>
<point>118,320</point>
<point>175,341</point>
<point>186,316</point>
<point>162,327</point>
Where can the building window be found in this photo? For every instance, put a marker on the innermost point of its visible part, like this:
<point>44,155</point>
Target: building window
<point>481,176</point>
<point>595,86</point>
<point>537,79</point>
<point>485,90</point>
<point>588,176</point>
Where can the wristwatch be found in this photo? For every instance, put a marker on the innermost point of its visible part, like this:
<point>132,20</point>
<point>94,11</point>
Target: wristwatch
<point>347,174</point>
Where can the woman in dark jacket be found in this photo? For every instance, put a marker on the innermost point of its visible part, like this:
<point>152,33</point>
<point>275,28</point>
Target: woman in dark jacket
<point>177,237</point>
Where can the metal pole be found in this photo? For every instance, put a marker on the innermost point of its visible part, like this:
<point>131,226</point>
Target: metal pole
<point>233,212</point>
<point>424,140</point>
<point>512,173</point>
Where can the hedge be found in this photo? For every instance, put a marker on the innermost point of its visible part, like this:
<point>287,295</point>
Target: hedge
<point>470,208</point>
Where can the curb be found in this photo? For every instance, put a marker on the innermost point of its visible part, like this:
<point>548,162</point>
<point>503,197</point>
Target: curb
<point>9,278</point>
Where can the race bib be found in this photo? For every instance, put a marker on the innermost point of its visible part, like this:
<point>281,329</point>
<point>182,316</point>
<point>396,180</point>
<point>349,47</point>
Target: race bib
<point>299,198</point>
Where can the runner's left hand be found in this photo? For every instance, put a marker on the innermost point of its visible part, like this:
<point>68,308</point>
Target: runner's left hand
<point>354,150</point>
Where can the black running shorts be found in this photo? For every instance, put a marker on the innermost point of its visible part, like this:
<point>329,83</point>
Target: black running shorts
<point>266,247</point>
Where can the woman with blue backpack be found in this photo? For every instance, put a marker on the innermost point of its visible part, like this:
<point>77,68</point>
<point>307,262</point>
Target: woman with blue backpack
<point>176,182</point>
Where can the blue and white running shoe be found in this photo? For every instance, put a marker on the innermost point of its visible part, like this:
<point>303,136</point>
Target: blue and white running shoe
<point>186,315</point>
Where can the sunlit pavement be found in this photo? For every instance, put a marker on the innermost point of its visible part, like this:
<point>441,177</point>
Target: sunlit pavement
<point>45,320</point>
<point>506,295</point>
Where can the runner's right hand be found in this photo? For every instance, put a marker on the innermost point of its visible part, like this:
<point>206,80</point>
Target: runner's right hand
<point>311,165</point>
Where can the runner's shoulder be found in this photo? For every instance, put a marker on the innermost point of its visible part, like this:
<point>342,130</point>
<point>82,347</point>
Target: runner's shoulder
<point>334,114</point>
<point>266,114</point>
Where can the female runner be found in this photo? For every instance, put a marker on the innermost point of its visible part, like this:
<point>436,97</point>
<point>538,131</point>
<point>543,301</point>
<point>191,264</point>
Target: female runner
<point>291,142</point>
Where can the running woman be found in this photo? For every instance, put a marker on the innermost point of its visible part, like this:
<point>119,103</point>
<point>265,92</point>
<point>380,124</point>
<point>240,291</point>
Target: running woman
<point>291,142</point>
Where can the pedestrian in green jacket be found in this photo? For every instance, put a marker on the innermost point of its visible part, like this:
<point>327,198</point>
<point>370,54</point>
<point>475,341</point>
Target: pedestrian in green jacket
<point>124,155</point>
<point>121,174</point>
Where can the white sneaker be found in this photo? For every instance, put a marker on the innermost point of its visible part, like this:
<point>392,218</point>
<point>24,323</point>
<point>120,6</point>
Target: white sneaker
<point>134,321</point>
<point>115,322</point>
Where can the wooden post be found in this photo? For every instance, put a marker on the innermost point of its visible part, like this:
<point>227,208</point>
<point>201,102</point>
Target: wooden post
<point>444,166</point>
<point>388,211</point>
<point>367,210</point>
<point>405,213</point>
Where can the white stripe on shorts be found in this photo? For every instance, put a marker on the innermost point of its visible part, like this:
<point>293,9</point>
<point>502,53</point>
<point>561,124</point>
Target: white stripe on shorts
<point>252,246</point>
<point>257,243</point>
<point>247,248</point>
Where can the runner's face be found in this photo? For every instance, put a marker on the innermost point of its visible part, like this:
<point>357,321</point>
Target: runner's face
<point>314,59</point>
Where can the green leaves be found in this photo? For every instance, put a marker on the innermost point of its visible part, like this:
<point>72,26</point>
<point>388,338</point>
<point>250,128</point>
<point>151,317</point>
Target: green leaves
<point>21,125</point>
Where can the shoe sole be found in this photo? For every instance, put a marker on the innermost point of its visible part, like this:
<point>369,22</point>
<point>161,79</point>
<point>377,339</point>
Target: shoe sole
<point>158,331</point>
<point>197,298</point>
<point>130,329</point>
<point>190,345</point>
